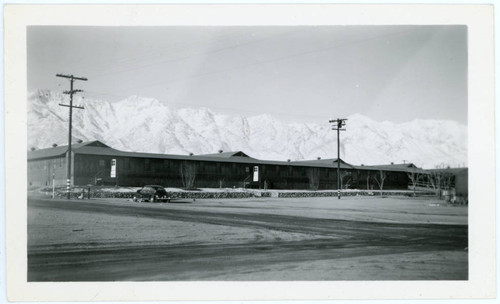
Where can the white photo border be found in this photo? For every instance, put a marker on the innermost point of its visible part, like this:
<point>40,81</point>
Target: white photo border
<point>482,238</point>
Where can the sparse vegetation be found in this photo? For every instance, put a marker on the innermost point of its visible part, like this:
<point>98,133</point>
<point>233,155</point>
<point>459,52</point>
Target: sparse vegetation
<point>188,174</point>
<point>345,179</point>
<point>380,178</point>
<point>313,176</point>
<point>414,177</point>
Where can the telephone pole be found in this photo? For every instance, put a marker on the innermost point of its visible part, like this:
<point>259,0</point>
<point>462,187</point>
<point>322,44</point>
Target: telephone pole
<point>70,106</point>
<point>337,125</point>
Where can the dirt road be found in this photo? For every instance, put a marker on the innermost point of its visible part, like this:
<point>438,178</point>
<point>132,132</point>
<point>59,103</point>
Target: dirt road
<point>111,240</point>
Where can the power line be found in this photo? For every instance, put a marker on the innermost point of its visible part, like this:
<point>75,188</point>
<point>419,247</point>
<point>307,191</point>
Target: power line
<point>255,63</point>
<point>195,55</point>
<point>242,66</point>
<point>283,58</point>
<point>70,106</point>
<point>185,43</point>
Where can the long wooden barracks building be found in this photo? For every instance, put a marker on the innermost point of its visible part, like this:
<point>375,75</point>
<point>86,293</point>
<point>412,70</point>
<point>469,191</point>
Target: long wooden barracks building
<point>96,163</point>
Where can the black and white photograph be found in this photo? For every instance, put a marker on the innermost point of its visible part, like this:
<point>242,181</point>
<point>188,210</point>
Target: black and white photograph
<point>248,153</point>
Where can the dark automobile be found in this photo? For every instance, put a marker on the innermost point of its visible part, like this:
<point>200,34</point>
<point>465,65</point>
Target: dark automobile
<point>152,193</point>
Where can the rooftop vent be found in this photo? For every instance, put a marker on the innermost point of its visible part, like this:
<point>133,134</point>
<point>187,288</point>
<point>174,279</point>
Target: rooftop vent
<point>54,145</point>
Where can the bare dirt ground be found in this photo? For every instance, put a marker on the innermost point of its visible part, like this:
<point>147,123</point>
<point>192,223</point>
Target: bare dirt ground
<point>355,238</point>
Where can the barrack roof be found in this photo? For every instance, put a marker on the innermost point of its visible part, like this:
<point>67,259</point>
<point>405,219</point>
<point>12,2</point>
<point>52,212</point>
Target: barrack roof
<point>227,154</point>
<point>98,148</point>
<point>61,150</point>
<point>329,162</point>
<point>407,167</point>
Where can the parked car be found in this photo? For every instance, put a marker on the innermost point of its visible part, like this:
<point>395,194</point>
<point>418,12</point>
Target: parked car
<point>152,193</point>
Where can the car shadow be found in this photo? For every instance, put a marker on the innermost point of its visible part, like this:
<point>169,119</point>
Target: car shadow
<point>181,201</point>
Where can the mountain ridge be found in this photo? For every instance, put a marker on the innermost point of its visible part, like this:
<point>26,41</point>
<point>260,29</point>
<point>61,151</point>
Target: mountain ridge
<point>146,125</point>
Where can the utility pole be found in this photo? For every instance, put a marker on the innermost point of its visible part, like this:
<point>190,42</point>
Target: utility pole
<point>70,106</point>
<point>53,180</point>
<point>337,125</point>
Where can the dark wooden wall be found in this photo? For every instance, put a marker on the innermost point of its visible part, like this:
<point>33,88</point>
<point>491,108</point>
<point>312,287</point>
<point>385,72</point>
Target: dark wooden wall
<point>137,172</point>
<point>42,171</point>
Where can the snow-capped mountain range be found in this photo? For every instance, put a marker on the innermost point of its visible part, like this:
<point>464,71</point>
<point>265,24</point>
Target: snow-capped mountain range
<point>146,125</point>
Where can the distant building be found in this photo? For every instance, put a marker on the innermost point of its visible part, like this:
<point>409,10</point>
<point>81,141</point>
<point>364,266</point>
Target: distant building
<point>396,175</point>
<point>456,178</point>
<point>96,163</point>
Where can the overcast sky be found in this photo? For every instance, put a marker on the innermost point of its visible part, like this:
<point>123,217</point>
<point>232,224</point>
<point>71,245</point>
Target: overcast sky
<point>297,74</point>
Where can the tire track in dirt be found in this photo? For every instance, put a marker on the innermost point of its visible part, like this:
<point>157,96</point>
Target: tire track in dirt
<point>454,235</point>
<point>335,239</point>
